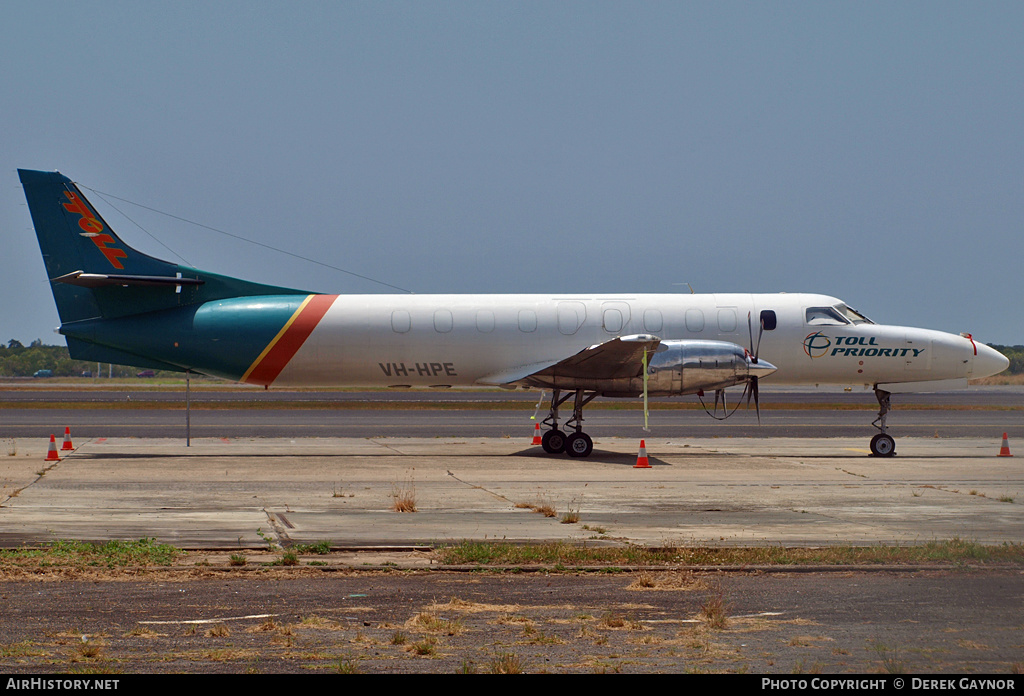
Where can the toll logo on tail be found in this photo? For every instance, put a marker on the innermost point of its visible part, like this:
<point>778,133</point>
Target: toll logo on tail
<point>93,229</point>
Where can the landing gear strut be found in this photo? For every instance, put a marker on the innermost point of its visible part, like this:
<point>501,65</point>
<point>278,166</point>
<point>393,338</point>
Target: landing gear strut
<point>576,444</point>
<point>882,444</point>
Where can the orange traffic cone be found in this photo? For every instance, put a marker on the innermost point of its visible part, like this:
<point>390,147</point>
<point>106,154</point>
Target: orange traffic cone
<point>536,435</point>
<point>51,454</point>
<point>641,458</point>
<point>67,440</point>
<point>1004,451</point>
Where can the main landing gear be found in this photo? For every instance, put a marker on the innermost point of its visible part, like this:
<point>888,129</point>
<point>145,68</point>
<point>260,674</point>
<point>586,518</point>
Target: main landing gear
<point>577,443</point>
<point>882,444</point>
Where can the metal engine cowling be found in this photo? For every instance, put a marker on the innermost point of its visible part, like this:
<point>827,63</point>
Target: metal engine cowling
<point>687,367</point>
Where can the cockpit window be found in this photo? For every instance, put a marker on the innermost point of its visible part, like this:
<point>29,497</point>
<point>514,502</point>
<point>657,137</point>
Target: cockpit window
<point>853,315</point>
<point>825,316</point>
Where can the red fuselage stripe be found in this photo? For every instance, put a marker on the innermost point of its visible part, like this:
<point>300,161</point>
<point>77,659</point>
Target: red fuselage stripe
<point>287,344</point>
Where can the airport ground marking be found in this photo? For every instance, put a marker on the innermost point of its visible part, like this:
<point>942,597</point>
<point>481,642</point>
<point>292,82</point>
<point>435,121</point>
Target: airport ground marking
<point>209,621</point>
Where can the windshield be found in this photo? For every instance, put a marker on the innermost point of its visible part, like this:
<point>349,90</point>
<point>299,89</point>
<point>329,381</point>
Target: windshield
<point>853,315</point>
<point>824,316</point>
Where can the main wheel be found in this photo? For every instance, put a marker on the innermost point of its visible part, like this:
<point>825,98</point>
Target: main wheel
<point>553,442</point>
<point>883,445</point>
<point>579,444</point>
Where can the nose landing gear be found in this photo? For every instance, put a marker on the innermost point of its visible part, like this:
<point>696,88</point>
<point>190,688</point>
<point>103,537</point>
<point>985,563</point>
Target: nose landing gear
<point>882,444</point>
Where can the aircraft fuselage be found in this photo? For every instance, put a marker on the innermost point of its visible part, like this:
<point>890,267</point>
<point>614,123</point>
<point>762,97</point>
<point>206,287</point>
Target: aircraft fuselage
<point>467,340</point>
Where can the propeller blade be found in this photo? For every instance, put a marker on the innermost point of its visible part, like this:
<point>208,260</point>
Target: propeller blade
<point>751,392</point>
<point>754,350</point>
<point>750,341</point>
<point>760,332</point>
<point>757,403</point>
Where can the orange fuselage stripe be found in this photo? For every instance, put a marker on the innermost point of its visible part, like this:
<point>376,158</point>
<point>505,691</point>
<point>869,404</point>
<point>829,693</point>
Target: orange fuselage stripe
<point>289,339</point>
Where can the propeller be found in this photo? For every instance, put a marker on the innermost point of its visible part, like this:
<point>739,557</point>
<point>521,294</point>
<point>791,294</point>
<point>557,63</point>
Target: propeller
<point>751,389</point>
<point>756,368</point>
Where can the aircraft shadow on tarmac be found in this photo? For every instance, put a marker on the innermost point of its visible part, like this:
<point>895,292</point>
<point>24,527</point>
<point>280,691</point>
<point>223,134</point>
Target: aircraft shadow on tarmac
<point>596,457</point>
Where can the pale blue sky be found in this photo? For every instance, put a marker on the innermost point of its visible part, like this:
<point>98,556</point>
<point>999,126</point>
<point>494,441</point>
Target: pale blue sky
<point>871,151</point>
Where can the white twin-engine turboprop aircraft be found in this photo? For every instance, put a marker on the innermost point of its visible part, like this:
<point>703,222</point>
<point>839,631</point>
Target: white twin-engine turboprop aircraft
<point>119,305</point>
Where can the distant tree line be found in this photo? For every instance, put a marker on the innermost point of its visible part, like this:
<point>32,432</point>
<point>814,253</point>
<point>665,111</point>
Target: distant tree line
<point>17,360</point>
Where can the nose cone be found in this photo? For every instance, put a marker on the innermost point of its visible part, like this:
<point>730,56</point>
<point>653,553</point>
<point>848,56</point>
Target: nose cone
<point>988,362</point>
<point>762,368</point>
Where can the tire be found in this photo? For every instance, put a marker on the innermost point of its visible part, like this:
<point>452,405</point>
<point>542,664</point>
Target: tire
<point>553,442</point>
<point>579,445</point>
<point>883,445</point>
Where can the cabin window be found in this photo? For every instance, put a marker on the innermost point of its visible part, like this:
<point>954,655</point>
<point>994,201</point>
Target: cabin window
<point>653,321</point>
<point>527,320</point>
<point>727,320</point>
<point>568,318</point>
<point>768,320</point>
<point>401,322</point>
<point>612,320</point>
<point>485,322</point>
<point>442,321</point>
<point>824,316</point>
<point>694,320</point>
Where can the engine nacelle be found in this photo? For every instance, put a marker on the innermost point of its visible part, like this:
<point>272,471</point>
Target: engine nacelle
<point>687,367</point>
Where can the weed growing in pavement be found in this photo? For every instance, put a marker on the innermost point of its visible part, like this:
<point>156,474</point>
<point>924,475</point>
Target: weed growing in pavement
<point>267,539</point>
<point>404,496</point>
<point>321,548</point>
<point>713,610</point>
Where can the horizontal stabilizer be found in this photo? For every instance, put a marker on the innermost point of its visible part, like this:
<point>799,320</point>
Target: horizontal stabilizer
<point>99,280</point>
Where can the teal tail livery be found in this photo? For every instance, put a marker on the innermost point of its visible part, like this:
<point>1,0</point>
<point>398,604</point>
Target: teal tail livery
<point>121,306</point>
<point>118,305</point>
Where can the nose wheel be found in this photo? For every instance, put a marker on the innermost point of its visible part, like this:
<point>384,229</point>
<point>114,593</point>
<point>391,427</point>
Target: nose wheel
<point>882,444</point>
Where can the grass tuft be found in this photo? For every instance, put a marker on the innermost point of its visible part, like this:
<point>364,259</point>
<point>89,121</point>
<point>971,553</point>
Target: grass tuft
<point>713,612</point>
<point>84,554</point>
<point>953,552</point>
<point>404,497</point>
<point>505,663</point>
<point>345,665</point>
<point>321,548</point>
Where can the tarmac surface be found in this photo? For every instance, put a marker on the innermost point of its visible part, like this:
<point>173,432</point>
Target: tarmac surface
<point>234,492</point>
<point>808,626</point>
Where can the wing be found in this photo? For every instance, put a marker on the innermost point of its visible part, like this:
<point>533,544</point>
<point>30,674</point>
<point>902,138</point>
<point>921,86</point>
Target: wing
<point>619,358</point>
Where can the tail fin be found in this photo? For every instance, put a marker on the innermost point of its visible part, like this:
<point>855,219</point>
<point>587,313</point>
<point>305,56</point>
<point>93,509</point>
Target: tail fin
<point>95,275</point>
